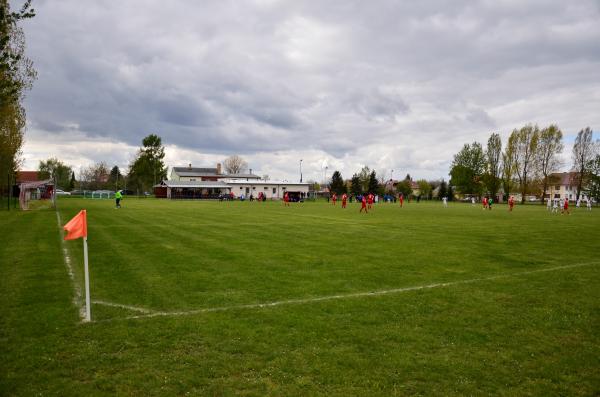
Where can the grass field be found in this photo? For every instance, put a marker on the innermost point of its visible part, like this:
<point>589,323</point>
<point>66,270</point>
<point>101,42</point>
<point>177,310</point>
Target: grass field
<point>210,298</point>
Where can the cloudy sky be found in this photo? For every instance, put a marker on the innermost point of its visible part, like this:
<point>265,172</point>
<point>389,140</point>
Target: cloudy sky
<point>393,85</point>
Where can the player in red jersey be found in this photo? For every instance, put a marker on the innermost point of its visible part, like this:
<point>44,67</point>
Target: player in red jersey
<point>484,202</point>
<point>401,200</point>
<point>511,203</point>
<point>566,207</point>
<point>363,204</point>
<point>334,198</point>
<point>286,199</point>
<point>344,200</point>
<point>369,201</point>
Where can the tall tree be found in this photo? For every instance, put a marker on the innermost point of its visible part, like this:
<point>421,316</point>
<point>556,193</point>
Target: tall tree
<point>493,164</point>
<point>96,177</point>
<point>404,187</point>
<point>355,185</point>
<point>525,155</point>
<point>593,185</point>
<point>115,179</point>
<point>16,77</point>
<point>508,165</point>
<point>337,184</point>
<point>583,153</point>
<point>56,170</point>
<point>148,168</point>
<point>72,181</point>
<point>235,164</point>
<point>373,183</point>
<point>467,169</point>
<point>364,176</point>
<point>549,147</point>
<point>424,188</point>
<point>443,190</point>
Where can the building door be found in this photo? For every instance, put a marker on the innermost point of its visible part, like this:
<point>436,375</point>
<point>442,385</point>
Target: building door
<point>247,191</point>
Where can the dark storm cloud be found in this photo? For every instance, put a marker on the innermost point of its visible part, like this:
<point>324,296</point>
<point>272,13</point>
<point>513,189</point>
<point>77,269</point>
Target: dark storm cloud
<point>352,81</point>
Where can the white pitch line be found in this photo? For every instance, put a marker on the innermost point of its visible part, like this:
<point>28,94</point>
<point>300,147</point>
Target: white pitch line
<point>128,307</point>
<point>341,296</point>
<point>77,298</point>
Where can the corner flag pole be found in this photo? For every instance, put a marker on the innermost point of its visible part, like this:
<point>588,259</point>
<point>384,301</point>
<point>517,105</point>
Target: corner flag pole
<point>76,228</point>
<point>88,306</point>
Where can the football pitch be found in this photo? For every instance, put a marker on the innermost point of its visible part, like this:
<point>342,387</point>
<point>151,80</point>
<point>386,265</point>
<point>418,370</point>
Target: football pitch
<point>248,298</point>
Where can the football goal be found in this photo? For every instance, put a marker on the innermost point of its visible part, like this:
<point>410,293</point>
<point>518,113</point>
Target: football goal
<point>36,195</point>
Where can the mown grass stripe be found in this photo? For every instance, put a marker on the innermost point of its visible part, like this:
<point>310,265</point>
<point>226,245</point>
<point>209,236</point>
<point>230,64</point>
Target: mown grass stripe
<point>150,313</point>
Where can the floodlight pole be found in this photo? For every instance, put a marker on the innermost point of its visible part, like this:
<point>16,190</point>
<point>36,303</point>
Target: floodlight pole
<point>300,170</point>
<point>88,309</point>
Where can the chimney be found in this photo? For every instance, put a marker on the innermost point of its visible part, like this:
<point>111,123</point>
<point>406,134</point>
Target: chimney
<point>250,171</point>
<point>218,168</point>
<point>190,166</point>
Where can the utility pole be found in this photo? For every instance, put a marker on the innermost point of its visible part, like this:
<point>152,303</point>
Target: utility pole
<point>300,170</point>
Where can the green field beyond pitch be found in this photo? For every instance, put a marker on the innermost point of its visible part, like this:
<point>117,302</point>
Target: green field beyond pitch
<point>528,331</point>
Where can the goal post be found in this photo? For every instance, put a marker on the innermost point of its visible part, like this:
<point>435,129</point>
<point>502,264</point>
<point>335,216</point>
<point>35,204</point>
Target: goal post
<point>36,195</point>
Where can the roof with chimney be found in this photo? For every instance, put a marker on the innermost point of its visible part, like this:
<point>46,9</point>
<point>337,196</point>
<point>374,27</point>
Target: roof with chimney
<point>212,172</point>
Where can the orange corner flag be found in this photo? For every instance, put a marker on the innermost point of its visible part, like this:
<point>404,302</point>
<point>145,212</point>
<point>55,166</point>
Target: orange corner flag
<point>76,227</point>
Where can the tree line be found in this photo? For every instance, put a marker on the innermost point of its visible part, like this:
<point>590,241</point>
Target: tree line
<point>145,170</point>
<point>530,157</point>
<point>16,78</point>
<point>367,181</point>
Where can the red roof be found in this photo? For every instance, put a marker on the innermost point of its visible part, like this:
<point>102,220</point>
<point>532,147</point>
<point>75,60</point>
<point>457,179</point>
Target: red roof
<point>564,178</point>
<point>27,176</point>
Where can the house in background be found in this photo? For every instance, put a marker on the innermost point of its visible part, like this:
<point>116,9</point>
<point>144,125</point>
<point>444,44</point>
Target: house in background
<point>563,185</point>
<point>196,174</point>
<point>211,183</point>
<point>391,185</point>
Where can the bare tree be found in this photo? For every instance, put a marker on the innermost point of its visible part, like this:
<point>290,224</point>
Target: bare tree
<point>95,176</point>
<point>234,164</point>
<point>527,140</point>
<point>549,147</point>
<point>508,163</point>
<point>583,153</point>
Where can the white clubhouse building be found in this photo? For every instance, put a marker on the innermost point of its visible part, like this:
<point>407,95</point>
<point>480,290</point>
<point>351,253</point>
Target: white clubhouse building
<point>198,183</point>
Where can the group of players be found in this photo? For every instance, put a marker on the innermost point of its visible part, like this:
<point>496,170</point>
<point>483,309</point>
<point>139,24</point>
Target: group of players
<point>553,205</point>
<point>367,201</point>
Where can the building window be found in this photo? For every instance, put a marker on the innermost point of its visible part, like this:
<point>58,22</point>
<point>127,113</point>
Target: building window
<point>253,187</point>
<point>283,188</point>
<point>192,179</point>
<point>556,187</point>
<point>241,188</point>
<point>266,188</point>
<point>274,190</point>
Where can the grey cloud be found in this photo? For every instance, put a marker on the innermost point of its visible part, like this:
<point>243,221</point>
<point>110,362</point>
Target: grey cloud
<point>331,77</point>
<point>480,117</point>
